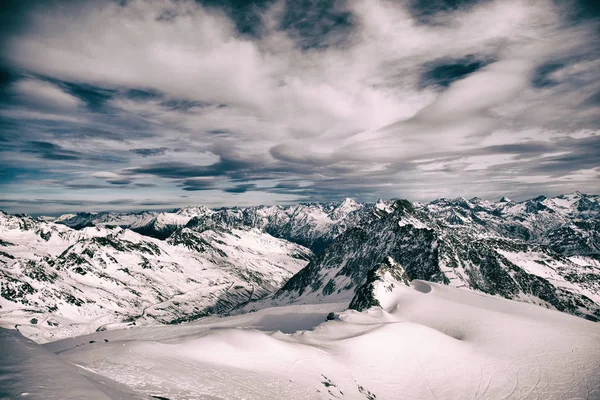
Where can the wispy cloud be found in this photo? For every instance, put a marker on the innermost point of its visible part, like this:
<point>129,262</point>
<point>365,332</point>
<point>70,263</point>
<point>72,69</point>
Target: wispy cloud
<point>44,94</point>
<point>279,101</point>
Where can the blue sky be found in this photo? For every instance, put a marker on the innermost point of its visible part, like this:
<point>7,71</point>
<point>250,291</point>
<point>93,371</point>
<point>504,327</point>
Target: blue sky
<point>131,105</point>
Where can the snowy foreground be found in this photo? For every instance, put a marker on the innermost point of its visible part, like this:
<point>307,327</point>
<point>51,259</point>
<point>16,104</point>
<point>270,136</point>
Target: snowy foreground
<point>427,342</point>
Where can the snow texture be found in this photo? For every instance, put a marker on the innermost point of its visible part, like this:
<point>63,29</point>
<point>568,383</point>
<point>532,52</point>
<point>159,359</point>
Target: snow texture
<point>430,342</point>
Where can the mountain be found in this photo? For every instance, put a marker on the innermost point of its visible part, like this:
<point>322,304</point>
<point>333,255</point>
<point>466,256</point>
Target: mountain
<point>567,224</point>
<point>159,225</point>
<point>313,225</point>
<point>81,272</point>
<point>58,282</point>
<point>472,244</point>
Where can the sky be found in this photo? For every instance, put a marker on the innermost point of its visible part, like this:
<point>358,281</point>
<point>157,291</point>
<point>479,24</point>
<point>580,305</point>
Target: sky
<point>131,105</point>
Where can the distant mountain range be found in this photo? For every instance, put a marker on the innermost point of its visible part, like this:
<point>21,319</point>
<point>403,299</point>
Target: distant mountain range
<point>92,271</point>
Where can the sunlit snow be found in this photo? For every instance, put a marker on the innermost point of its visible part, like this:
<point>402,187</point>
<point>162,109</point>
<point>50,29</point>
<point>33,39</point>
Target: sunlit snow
<point>430,342</point>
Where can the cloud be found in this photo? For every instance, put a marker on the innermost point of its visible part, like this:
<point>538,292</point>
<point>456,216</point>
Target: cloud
<point>173,170</point>
<point>95,98</point>
<point>317,23</point>
<point>47,206</point>
<point>51,151</point>
<point>196,184</point>
<point>432,11</point>
<point>241,188</point>
<point>267,101</point>
<point>44,94</point>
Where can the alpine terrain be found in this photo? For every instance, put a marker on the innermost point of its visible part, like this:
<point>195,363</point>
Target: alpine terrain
<point>544,251</point>
<point>262,301</point>
<point>94,271</point>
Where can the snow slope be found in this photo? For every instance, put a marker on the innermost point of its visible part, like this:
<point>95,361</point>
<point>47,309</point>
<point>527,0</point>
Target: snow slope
<point>29,371</point>
<point>430,342</point>
<point>57,282</point>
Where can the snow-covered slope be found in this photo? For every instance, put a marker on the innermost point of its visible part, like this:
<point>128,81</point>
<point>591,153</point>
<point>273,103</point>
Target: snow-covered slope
<point>28,371</point>
<point>58,282</point>
<point>159,225</point>
<point>429,341</point>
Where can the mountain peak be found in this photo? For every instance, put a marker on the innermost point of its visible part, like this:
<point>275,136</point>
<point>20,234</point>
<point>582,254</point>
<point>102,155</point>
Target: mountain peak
<point>346,207</point>
<point>193,211</point>
<point>505,199</point>
<point>380,283</point>
<point>579,195</point>
<point>348,203</point>
<point>404,205</point>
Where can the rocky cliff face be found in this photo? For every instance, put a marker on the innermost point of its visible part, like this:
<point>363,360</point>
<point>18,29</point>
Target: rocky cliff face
<point>484,252</point>
<point>380,282</point>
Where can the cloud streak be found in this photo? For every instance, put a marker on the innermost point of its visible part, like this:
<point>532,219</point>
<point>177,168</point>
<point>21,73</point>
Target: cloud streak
<point>293,101</point>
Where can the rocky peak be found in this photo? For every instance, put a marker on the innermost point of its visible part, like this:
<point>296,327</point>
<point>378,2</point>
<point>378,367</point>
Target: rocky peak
<point>585,204</point>
<point>348,202</point>
<point>403,206</point>
<point>381,280</point>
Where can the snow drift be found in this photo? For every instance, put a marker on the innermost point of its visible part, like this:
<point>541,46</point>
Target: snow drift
<point>430,341</point>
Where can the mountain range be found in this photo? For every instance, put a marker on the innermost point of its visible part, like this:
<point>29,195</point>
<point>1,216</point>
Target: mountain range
<point>86,272</point>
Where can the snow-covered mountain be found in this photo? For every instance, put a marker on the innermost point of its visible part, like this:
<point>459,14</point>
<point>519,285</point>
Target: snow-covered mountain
<point>313,225</point>
<point>57,282</point>
<point>567,223</point>
<point>542,251</point>
<point>82,272</point>
<point>155,224</point>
